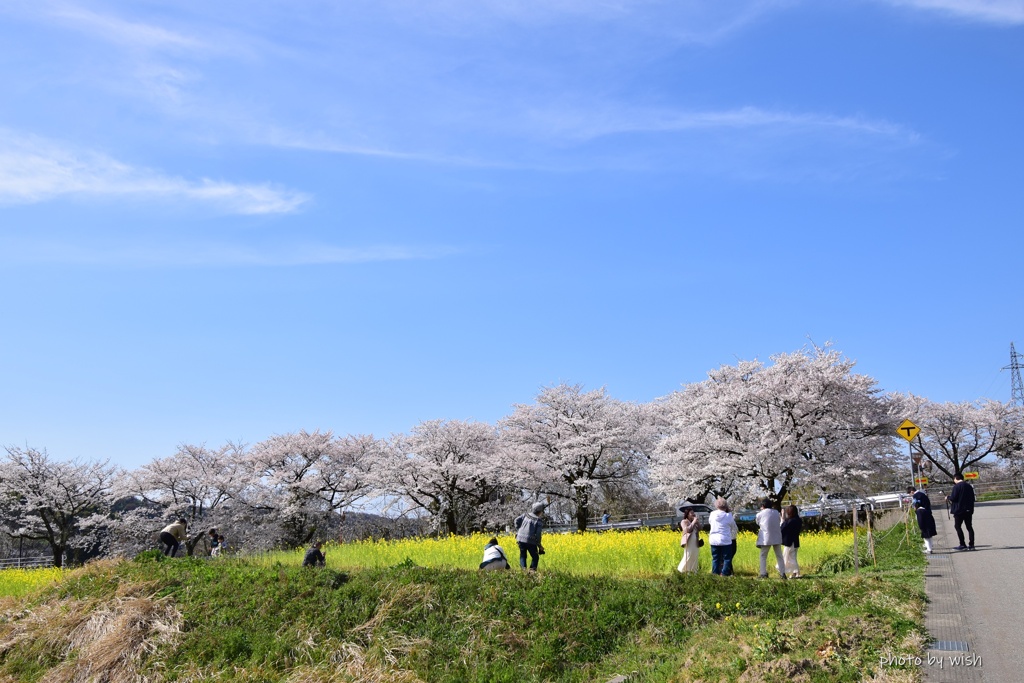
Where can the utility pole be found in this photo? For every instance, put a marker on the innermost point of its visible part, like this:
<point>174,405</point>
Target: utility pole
<point>1016,386</point>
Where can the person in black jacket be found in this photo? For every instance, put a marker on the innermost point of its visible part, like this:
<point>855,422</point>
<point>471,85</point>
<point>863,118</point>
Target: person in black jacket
<point>925,519</point>
<point>961,505</point>
<point>791,525</point>
<point>314,556</point>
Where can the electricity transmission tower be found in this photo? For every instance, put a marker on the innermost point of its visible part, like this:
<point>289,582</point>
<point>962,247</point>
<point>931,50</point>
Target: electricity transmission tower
<point>1016,386</point>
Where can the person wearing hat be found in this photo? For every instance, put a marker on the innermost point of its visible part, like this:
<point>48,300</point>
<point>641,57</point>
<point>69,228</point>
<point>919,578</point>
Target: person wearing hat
<point>528,532</point>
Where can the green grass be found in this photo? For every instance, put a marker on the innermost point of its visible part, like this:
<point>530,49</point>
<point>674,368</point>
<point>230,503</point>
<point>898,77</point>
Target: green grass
<point>249,621</point>
<point>998,495</point>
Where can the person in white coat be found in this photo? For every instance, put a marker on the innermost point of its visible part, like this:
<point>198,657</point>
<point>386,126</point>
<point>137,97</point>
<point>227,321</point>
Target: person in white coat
<point>721,538</point>
<point>769,535</point>
<point>494,556</point>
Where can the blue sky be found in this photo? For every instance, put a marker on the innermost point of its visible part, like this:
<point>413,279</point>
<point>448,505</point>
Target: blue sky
<point>221,221</point>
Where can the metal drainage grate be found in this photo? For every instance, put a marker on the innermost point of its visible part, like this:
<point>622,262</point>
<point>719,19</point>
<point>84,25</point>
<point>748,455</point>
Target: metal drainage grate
<point>935,576</point>
<point>953,645</point>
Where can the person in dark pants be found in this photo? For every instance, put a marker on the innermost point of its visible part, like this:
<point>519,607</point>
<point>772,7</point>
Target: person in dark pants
<point>961,505</point>
<point>314,556</point>
<point>172,536</point>
<point>925,520</point>
<point>722,538</point>
<point>528,534</point>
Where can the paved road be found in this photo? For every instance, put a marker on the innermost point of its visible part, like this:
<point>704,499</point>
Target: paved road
<point>986,588</point>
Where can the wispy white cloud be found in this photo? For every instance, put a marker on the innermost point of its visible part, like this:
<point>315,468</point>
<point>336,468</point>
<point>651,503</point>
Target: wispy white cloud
<point>991,11</point>
<point>448,83</point>
<point>123,32</point>
<point>208,255</point>
<point>677,21</point>
<point>281,138</point>
<point>592,122</point>
<point>34,170</point>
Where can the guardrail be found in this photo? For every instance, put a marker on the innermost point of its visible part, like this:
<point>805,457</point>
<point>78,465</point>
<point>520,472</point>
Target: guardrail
<point>621,523</point>
<point>26,562</point>
<point>992,490</point>
<point>1000,488</point>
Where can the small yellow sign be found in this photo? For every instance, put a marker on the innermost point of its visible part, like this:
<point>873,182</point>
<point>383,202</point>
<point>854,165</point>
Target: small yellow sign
<point>921,481</point>
<point>970,475</point>
<point>908,430</point>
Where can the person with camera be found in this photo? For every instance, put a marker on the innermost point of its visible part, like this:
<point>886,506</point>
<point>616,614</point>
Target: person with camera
<point>691,542</point>
<point>529,528</point>
<point>722,538</point>
<point>791,526</point>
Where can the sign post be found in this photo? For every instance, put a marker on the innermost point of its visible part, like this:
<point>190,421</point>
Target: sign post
<point>909,431</point>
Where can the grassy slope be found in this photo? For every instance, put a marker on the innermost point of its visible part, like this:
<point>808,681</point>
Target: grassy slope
<point>246,622</point>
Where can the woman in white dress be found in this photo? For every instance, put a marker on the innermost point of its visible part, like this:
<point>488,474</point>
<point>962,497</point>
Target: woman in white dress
<point>690,526</point>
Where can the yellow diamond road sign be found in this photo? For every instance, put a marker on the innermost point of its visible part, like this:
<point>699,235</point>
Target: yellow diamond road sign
<point>908,430</point>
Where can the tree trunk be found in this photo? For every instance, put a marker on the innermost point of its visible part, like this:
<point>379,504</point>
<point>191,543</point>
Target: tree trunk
<point>780,496</point>
<point>58,556</point>
<point>582,508</point>
<point>190,545</point>
<point>451,522</point>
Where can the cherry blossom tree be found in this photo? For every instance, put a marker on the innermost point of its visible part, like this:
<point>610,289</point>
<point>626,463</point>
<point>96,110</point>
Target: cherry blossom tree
<point>302,478</point>
<point>199,484</point>
<point>569,441</point>
<point>955,436</point>
<point>752,430</point>
<point>453,470</point>
<point>63,503</point>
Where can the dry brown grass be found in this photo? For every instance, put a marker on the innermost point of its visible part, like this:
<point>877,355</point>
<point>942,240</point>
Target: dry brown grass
<point>98,641</point>
<point>347,663</point>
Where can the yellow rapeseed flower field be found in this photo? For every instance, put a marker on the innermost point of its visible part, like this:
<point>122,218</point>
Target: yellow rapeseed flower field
<point>618,553</point>
<point>18,582</point>
<point>614,553</point>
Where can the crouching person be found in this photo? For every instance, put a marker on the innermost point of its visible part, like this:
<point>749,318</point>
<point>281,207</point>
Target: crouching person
<point>314,556</point>
<point>172,536</point>
<point>494,556</point>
